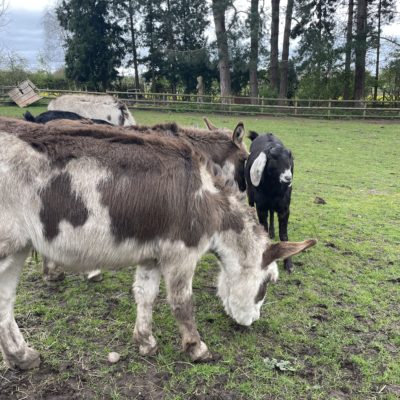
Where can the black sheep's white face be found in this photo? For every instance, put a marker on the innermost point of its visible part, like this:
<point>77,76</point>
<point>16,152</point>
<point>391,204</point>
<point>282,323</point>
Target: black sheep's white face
<point>276,165</point>
<point>280,165</point>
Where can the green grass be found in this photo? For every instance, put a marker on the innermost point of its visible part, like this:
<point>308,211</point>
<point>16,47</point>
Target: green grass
<point>336,318</point>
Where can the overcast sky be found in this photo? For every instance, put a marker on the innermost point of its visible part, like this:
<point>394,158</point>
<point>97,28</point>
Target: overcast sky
<point>24,32</point>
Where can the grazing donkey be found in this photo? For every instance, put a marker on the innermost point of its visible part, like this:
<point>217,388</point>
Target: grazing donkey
<point>102,107</point>
<point>88,196</point>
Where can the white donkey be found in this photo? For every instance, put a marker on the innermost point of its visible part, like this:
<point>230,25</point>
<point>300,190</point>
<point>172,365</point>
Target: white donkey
<point>88,197</point>
<point>102,107</point>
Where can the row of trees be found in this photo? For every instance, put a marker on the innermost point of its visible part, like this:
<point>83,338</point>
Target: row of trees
<point>327,45</point>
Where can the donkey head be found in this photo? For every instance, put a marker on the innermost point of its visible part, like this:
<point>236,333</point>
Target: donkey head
<point>234,164</point>
<point>242,285</point>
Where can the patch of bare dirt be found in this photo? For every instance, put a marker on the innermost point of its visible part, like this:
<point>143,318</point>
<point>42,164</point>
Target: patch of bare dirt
<point>46,384</point>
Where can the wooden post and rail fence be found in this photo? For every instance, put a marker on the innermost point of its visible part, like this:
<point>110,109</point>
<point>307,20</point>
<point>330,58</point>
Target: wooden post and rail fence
<point>180,102</point>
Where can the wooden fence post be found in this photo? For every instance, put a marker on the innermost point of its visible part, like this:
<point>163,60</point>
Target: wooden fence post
<point>329,109</point>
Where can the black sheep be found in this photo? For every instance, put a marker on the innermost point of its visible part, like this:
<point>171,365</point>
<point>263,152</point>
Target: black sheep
<point>269,176</point>
<point>52,115</point>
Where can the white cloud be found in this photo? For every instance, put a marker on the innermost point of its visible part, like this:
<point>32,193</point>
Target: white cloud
<point>26,5</point>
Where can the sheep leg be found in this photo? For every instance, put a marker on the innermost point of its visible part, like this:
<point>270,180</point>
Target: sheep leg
<point>283,218</point>
<point>15,351</point>
<point>250,196</point>
<point>178,280</point>
<point>271,224</point>
<point>145,289</point>
<point>263,218</point>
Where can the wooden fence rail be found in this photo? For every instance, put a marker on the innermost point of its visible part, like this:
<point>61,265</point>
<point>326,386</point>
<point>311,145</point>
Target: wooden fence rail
<point>242,105</point>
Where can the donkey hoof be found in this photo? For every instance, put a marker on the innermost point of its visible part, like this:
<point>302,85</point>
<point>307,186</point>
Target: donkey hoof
<point>30,360</point>
<point>147,346</point>
<point>57,275</point>
<point>200,353</point>
<point>148,350</point>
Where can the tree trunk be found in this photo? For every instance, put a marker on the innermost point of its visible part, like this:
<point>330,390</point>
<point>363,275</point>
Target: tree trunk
<point>360,50</point>
<point>378,49</point>
<point>347,63</point>
<point>254,37</point>
<point>133,40</point>
<point>285,51</point>
<point>274,64</point>
<point>219,7</point>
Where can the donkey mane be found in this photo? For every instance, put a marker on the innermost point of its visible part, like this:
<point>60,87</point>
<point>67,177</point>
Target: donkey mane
<point>117,148</point>
<point>58,137</point>
<point>195,134</point>
<point>217,144</point>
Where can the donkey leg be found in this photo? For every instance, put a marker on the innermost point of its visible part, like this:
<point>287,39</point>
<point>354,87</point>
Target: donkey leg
<point>15,351</point>
<point>178,281</point>
<point>145,289</point>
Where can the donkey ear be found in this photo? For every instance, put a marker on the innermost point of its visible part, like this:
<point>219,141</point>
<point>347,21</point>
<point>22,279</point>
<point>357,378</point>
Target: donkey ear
<point>210,126</point>
<point>238,134</point>
<point>257,169</point>
<point>281,250</point>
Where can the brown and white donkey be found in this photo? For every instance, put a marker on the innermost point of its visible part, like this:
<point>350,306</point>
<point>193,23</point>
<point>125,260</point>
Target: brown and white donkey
<point>91,196</point>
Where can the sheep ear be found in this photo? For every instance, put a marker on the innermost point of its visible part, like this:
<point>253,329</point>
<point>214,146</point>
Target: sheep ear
<point>257,169</point>
<point>238,134</point>
<point>282,250</point>
<point>210,126</point>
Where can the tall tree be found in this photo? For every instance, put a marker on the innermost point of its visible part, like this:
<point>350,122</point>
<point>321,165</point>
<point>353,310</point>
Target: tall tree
<point>283,87</point>
<point>176,44</point>
<point>3,12</point>
<point>55,37</point>
<point>167,30</point>
<point>318,55</point>
<point>254,44</point>
<point>274,62</point>
<point>378,49</point>
<point>348,48</point>
<point>219,8</point>
<point>390,78</point>
<point>383,12</point>
<point>131,9</point>
<point>93,46</point>
<point>151,20</point>
<point>192,53</point>
<point>360,49</point>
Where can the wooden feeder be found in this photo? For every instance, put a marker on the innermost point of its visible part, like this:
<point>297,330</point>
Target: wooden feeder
<point>25,93</point>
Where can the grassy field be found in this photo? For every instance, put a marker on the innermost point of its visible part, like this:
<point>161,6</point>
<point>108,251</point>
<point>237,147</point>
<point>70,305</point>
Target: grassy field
<point>330,330</point>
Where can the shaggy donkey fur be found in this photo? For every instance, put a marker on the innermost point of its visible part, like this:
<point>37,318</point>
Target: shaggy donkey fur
<point>224,148</point>
<point>90,196</point>
<point>104,107</point>
<point>51,271</point>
